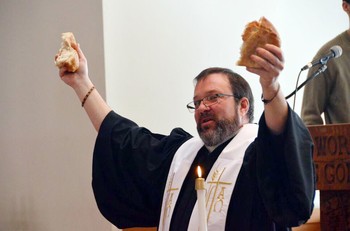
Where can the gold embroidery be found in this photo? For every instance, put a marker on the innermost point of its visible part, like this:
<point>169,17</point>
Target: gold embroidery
<point>220,200</point>
<point>216,192</point>
<point>169,199</point>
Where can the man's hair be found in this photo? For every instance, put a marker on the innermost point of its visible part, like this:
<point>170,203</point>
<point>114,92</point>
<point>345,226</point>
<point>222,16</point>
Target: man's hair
<point>348,1</point>
<point>240,87</point>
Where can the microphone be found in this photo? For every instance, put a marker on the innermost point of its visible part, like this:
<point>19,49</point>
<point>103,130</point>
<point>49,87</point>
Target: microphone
<point>335,52</point>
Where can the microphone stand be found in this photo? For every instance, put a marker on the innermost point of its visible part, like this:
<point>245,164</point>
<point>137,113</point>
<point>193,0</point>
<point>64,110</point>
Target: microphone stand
<point>319,71</point>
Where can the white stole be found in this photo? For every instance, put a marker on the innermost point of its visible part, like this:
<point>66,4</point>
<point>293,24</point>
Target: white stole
<point>220,181</point>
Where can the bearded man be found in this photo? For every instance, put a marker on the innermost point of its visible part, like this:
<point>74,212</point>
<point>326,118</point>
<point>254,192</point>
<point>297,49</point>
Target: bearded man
<point>258,177</point>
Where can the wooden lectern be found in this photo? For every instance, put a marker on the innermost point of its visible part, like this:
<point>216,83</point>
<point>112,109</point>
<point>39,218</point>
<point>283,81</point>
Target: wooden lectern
<point>332,165</point>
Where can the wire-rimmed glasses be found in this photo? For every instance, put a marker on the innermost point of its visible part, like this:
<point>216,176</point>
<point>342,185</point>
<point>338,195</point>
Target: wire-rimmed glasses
<point>207,101</point>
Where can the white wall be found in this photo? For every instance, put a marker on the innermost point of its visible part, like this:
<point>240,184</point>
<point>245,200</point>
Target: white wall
<point>46,140</point>
<point>155,48</point>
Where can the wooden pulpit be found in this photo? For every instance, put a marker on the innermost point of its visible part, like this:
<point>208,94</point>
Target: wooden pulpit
<point>332,165</point>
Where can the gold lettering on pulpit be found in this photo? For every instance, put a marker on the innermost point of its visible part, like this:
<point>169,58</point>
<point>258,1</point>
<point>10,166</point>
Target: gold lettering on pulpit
<point>331,156</point>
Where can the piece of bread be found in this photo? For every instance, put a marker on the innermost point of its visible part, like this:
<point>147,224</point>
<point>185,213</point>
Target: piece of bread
<point>257,34</point>
<point>67,56</point>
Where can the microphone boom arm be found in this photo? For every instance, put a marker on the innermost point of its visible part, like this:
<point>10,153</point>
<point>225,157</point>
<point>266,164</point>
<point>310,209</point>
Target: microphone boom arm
<point>319,71</point>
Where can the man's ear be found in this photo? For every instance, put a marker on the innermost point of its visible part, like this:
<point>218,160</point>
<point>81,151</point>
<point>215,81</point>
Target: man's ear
<point>346,7</point>
<point>243,107</point>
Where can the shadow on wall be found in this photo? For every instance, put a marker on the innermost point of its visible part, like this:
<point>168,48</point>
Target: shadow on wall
<point>22,216</point>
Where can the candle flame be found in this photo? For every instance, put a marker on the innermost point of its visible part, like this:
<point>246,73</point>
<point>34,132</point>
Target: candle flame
<point>199,171</point>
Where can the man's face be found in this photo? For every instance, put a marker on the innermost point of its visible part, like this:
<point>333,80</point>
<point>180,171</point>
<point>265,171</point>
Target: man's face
<point>220,121</point>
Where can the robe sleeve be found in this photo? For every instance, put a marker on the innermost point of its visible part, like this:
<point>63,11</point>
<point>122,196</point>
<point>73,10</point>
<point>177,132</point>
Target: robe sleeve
<point>285,172</point>
<point>130,168</point>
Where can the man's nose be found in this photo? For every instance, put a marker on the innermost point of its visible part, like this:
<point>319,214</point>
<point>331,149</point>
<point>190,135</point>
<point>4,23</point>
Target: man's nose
<point>202,107</point>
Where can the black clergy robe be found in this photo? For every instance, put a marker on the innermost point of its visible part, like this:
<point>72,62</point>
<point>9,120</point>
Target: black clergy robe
<point>274,189</point>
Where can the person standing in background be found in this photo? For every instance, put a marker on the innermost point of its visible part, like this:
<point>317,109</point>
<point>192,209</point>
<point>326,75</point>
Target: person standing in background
<point>328,94</point>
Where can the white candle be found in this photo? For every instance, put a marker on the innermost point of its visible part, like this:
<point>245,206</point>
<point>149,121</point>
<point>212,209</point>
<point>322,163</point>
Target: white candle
<point>202,213</point>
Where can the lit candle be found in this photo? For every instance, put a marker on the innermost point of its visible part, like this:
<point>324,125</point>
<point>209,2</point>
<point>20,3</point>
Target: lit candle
<point>202,214</point>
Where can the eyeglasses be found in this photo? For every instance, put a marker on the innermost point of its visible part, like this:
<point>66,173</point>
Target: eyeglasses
<point>207,101</point>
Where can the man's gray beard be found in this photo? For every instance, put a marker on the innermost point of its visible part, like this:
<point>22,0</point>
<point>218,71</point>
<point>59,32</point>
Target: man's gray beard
<point>224,130</point>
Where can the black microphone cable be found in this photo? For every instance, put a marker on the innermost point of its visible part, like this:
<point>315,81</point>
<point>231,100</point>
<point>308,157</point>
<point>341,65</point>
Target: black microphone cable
<point>297,88</point>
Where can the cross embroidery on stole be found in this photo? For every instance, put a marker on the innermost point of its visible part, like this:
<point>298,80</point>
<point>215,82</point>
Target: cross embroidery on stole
<point>169,198</point>
<point>216,193</point>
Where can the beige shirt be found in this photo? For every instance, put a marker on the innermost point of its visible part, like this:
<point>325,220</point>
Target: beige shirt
<point>329,93</point>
